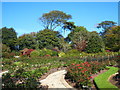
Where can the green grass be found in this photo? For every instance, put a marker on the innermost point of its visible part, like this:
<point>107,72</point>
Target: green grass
<point>102,80</point>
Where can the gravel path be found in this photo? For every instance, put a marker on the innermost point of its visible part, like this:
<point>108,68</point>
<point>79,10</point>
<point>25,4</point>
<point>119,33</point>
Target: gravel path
<point>56,80</point>
<point>3,73</point>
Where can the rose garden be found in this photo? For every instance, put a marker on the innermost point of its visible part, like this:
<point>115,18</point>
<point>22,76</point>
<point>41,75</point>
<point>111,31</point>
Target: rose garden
<point>91,59</point>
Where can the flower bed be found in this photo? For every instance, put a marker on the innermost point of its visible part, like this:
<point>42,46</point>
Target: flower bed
<point>81,73</point>
<point>37,66</point>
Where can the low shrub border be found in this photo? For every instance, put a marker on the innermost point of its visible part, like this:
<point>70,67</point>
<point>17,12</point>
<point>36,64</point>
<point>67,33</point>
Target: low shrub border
<point>102,82</point>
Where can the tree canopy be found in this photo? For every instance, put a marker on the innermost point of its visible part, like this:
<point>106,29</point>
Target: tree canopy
<point>48,39</point>
<point>9,37</point>
<point>78,37</point>
<point>27,41</point>
<point>95,43</point>
<point>53,19</point>
<point>106,25</point>
<point>113,39</point>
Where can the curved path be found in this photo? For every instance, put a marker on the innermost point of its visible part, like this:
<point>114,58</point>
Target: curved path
<point>56,80</point>
<point>2,72</point>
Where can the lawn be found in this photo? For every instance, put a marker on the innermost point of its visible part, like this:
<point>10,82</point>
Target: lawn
<point>102,80</point>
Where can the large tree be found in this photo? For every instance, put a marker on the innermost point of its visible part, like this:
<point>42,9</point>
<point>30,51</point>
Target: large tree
<point>95,43</point>
<point>105,25</point>
<point>9,37</point>
<point>48,39</point>
<point>78,37</point>
<point>69,26</point>
<point>53,19</point>
<point>113,38</point>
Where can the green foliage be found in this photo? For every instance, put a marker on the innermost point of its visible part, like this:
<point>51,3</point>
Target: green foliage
<point>81,72</point>
<point>45,51</point>
<point>61,54</point>
<point>42,52</point>
<point>113,39</point>
<point>72,52</point>
<point>35,53</point>
<point>105,25</point>
<point>65,46</point>
<point>5,48</point>
<point>104,78</point>
<point>9,37</point>
<point>54,19</point>
<point>20,79</point>
<point>79,37</point>
<point>95,43</point>
<point>5,51</point>
<point>48,39</point>
<point>69,26</point>
<point>27,41</point>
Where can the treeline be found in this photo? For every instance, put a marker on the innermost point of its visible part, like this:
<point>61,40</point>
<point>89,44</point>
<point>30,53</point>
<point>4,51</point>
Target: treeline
<point>79,37</point>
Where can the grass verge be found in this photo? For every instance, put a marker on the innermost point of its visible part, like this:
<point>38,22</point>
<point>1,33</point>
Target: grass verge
<point>102,80</point>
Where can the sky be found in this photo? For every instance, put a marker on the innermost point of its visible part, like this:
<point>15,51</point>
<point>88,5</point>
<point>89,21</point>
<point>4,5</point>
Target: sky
<point>24,16</point>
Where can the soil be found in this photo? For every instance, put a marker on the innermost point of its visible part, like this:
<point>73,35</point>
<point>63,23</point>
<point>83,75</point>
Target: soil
<point>115,81</point>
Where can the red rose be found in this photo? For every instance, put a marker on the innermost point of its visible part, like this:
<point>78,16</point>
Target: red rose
<point>73,64</point>
<point>79,67</point>
<point>90,76</point>
<point>77,64</point>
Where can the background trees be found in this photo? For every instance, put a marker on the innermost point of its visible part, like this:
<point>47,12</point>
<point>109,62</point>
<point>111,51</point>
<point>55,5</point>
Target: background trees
<point>105,25</point>
<point>9,37</point>
<point>53,19</point>
<point>113,38</point>
<point>48,39</point>
<point>27,41</point>
<point>79,37</point>
<point>106,29</point>
<point>95,43</point>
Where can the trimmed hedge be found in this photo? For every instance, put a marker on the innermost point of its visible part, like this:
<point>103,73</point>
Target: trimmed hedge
<point>102,80</point>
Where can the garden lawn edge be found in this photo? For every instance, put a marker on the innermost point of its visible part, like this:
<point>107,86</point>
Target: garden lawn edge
<point>102,81</point>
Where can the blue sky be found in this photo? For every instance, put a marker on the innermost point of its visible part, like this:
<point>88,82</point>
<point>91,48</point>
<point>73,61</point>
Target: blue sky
<point>23,16</point>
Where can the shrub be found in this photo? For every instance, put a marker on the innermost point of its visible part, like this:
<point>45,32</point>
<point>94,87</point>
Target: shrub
<point>48,51</point>
<point>41,52</point>
<point>45,51</point>
<point>61,54</point>
<point>54,53</point>
<point>34,53</point>
<point>5,51</point>
<point>72,52</point>
<point>81,72</point>
<point>20,79</point>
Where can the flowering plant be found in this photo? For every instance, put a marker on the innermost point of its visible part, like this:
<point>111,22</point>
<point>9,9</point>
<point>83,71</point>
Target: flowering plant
<point>82,73</point>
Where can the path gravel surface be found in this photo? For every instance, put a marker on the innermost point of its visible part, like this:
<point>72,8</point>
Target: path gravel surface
<point>56,80</point>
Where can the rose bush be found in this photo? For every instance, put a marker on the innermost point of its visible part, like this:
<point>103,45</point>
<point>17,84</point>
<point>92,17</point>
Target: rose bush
<point>81,73</point>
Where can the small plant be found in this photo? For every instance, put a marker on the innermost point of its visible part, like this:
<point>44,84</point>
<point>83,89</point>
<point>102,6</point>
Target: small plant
<point>34,53</point>
<point>61,54</point>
